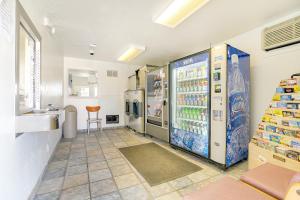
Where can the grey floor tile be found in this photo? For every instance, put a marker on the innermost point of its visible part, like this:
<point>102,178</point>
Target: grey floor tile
<point>171,196</point>
<point>126,180</point>
<point>60,156</point>
<point>137,192</point>
<point>98,165</point>
<point>75,180</point>
<point>111,196</point>
<point>48,196</point>
<point>51,185</point>
<point>96,158</point>
<point>77,161</point>
<point>77,169</point>
<point>76,146</point>
<point>110,150</point>
<point>75,155</point>
<point>99,175</point>
<point>119,170</point>
<point>102,187</point>
<point>112,155</point>
<point>54,173</point>
<point>159,190</point>
<point>88,148</point>
<point>115,162</point>
<point>76,193</point>
<point>58,164</point>
<point>180,183</point>
<point>94,152</point>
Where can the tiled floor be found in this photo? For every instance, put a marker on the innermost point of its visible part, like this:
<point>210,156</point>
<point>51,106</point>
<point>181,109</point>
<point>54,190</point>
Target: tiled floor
<point>91,167</point>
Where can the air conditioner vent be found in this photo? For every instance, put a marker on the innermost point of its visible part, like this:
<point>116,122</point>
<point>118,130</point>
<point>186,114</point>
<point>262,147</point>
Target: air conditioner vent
<point>283,34</point>
<point>112,73</point>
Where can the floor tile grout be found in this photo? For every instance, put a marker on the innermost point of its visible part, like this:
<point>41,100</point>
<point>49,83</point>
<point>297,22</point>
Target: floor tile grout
<point>115,139</point>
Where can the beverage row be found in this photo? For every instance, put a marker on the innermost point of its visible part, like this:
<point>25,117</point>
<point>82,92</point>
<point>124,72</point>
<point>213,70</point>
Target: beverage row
<point>277,149</point>
<point>194,127</point>
<point>200,85</point>
<point>192,99</point>
<point>198,71</point>
<point>193,113</point>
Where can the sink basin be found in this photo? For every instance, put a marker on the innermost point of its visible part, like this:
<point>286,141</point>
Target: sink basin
<point>36,122</point>
<point>40,110</point>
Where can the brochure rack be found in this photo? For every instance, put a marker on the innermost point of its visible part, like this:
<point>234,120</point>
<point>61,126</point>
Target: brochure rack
<point>277,139</point>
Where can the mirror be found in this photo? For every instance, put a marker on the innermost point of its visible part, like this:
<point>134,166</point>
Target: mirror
<point>83,83</point>
<point>28,61</point>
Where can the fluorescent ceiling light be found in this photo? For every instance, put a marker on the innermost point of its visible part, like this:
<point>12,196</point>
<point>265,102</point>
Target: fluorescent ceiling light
<point>178,11</point>
<point>131,53</point>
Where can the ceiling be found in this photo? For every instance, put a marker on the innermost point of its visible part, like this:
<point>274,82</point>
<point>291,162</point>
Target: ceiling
<point>115,24</point>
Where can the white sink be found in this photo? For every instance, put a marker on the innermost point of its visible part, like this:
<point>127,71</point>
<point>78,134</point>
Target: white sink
<point>37,122</point>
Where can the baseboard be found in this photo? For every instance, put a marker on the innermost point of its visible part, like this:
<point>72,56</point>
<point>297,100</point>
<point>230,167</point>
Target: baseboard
<point>104,128</point>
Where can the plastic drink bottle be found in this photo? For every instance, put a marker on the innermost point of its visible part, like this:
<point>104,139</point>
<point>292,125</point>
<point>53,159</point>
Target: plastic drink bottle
<point>236,115</point>
<point>236,95</point>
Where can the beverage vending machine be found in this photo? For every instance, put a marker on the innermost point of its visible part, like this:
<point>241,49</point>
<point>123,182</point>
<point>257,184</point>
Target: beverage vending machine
<point>210,105</point>
<point>190,103</point>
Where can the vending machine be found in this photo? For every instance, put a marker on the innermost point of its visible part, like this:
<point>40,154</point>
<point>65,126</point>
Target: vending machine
<point>210,105</point>
<point>230,105</point>
<point>157,103</point>
<point>190,103</point>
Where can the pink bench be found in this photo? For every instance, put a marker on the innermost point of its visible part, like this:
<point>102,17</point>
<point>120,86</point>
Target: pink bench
<point>265,182</point>
<point>227,189</point>
<point>271,179</point>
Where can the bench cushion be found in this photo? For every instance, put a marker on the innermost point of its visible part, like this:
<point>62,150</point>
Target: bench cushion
<point>269,178</point>
<point>227,189</point>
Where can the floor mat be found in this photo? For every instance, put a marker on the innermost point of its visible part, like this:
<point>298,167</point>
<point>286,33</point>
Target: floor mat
<point>156,164</point>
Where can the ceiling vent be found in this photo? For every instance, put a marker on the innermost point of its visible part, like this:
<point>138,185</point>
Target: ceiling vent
<point>283,34</point>
<point>112,73</point>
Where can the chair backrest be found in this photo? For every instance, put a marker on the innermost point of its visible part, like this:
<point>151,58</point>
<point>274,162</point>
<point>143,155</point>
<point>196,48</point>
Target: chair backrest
<point>93,109</point>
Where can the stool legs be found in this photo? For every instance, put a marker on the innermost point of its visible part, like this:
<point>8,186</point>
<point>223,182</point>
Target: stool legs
<point>100,126</point>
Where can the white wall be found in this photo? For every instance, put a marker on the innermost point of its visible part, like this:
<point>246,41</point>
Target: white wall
<point>111,89</point>
<point>24,158</point>
<point>7,109</point>
<point>267,68</point>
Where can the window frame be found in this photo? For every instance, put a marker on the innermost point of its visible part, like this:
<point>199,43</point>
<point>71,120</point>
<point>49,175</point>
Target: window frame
<point>23,20</point>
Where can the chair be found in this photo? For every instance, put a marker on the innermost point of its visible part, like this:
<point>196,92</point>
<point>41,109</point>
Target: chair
<point>97,120</point>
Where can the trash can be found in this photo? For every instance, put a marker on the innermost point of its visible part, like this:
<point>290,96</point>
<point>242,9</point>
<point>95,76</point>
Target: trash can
<point>70,124</point>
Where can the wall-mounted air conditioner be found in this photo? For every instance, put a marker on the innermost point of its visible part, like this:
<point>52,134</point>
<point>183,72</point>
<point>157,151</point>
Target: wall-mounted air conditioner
<point>280,35</point>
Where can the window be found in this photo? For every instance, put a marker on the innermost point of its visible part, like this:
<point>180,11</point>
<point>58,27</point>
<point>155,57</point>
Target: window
<point>27,64</point>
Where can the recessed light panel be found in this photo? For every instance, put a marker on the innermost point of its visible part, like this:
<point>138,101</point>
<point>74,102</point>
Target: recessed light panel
<point>178,11</point>
<point>131,53</point>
